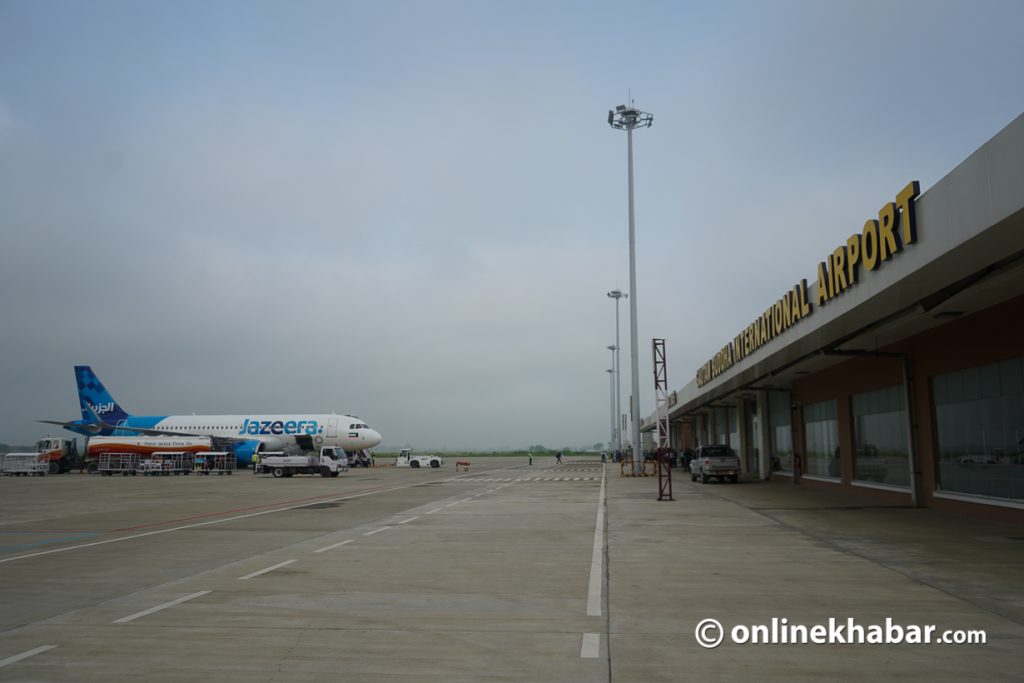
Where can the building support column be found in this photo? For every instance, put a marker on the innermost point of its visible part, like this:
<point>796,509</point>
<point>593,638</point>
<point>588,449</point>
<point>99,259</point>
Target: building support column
<point>762,437</point>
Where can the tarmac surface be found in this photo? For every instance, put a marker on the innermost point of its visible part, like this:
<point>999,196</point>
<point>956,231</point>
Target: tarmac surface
<point>507,572</point>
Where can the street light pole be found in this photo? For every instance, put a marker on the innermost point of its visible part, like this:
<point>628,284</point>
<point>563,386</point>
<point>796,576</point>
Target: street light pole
<point>615,373</point>
<point>611,389</point>
<point>628,118</point>
<point>616,294</point>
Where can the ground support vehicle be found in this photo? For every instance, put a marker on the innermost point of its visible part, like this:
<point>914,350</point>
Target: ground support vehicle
<point>25,464</point>
<point>715,461</point>
<point>214,462</point>
<point>61,454</point>
<point>118,463</point>
<point>167,463</point>
<point>329,462</point>
<point>407,459</point>
<point>360,459</point>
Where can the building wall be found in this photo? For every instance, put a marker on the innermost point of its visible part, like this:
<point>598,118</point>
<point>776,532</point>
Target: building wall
<point>993,335</point>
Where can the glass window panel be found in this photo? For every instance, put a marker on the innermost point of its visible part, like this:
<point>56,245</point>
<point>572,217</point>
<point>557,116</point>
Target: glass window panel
<point>981,433</point>
<point>990,381</point>
<point>781,431</point>
<point>721,426</point>
<point>972,384</point>
<point>1010,376</point>
<point>956,387</point>
<point>880,437</point>
<point>821,431</point>
<point>940,391</point>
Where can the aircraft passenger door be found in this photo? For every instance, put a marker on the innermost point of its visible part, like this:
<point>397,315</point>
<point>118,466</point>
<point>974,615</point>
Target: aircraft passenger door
<point>332,427</point>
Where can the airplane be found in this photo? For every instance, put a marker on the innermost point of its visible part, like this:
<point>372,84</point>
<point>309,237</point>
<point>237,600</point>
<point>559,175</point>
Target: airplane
<point>243,435</point>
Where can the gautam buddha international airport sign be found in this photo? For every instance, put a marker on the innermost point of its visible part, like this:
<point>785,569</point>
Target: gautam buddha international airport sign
<point>863,252</point>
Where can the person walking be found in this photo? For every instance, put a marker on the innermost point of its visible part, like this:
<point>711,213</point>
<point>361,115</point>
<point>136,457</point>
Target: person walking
<point>255,463</point>
<point>558,457</point>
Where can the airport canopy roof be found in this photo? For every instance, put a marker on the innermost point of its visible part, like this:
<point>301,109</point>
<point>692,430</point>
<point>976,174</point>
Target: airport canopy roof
<point>968,256</point>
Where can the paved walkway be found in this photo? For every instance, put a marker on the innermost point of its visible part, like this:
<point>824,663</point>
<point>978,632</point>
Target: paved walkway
<point>747,553</point>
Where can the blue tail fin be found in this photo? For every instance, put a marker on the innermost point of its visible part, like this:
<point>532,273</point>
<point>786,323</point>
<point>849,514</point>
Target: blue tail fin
<point>94,398</point>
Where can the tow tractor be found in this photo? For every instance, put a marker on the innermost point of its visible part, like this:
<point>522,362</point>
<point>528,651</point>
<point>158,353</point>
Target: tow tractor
<point>407,459</point>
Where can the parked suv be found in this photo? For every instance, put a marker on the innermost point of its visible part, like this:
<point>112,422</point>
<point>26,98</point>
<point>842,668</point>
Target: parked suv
<point>715,461</point>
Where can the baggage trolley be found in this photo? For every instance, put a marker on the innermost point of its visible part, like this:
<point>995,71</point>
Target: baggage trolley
<point>118,463</point>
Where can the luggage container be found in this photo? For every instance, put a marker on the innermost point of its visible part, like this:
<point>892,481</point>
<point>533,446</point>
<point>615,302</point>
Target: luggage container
<point>25,464</point>
<point>166,463</point>
<point>215,462</point>
<point>118,463</point>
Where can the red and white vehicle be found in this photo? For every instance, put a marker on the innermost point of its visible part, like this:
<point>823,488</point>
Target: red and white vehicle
<point>61,454</point>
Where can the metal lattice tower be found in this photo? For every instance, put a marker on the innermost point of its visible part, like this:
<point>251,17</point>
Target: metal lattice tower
<point>661,411</point>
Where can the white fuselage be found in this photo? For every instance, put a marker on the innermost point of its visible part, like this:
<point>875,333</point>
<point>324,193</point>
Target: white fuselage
<point>277,432</point>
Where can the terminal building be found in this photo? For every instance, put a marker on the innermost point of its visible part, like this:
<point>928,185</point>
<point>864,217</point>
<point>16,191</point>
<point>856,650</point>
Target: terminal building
<point>898,368</point>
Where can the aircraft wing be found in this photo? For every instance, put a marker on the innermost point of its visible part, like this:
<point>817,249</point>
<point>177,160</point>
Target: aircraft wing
<point>145,431</point>
<point>97,425</point>
<point>94,428</point>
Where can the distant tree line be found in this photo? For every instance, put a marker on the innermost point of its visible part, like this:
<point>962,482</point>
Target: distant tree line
<point>538,448</point>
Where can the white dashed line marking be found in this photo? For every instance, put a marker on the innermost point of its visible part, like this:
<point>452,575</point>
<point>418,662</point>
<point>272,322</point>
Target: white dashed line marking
<point>591,645</point>
<point>332,547</point>
<point>406,521</point>
<point>376,531</point>
<point>151,610</point>
<point>25,655</point>
<point>264,571</point>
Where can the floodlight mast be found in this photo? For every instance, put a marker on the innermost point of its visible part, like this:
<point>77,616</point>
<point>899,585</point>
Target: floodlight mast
<point>613,348</point>
<point>627,118</point>
<point>617,294</point>
<point>611,389</point>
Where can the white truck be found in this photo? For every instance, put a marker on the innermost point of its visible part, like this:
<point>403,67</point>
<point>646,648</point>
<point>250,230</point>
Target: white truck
<point>720,462</point>
<point>407,459</point>
<point>329,462</point>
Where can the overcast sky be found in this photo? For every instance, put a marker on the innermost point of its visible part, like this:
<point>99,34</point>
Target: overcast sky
<point>412,211</point>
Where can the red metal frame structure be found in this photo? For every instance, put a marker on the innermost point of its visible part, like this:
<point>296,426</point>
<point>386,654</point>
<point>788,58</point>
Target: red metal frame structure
<point>661,405</point>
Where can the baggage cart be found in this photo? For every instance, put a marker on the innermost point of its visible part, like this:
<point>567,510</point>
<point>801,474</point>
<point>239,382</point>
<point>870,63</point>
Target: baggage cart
<point>118,463</point>
<point>25,464</point>
<point>215,462</point>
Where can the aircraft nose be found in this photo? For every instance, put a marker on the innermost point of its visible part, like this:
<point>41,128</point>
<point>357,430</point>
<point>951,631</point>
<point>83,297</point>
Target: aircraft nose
<point>372,437</point>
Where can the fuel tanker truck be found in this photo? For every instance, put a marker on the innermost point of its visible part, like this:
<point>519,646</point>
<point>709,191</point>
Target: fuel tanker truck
<point>142,446</point>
